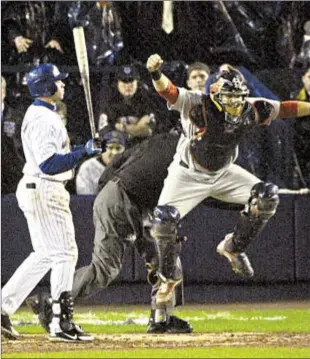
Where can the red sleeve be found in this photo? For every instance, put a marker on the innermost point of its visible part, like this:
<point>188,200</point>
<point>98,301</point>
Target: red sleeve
<point>288,109</point>
<point>170,94</point>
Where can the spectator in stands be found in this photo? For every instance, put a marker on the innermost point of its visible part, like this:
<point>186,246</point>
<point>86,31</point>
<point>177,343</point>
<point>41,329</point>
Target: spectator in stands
<point>304,92</point>
<point>302,137</point>
<point>102,26</point>
<point>131,108</point>
<point>197,76</point>
<point>12,157</point>
<point>91,170</point>
<point>33,32</point>
<point>175,28</point>
<point>30,33</point>
<point>103,37</point>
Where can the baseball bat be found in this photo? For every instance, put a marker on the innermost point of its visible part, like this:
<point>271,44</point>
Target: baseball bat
<point>82,59</point>
<point>302,191</point>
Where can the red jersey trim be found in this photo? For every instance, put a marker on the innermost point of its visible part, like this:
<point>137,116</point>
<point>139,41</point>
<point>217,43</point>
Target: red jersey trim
<point>170,94</point>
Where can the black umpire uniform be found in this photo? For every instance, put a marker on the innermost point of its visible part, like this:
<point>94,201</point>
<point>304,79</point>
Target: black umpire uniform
<point>129,189</point>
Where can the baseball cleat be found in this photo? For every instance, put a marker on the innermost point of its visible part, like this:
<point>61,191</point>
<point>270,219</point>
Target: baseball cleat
<point>63,337</point>
<point>240,262</point>
<point>67,331</point>
<point>41,304</point>
<point>7,329</point>
<point>81,335</point>
<point>165,291</point>
<point>172,325</point>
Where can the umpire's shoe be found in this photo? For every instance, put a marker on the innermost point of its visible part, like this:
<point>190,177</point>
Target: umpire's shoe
<point>239,260</point>
<point>41,304</point>
<point>172,325</point>
<point>7,329</point>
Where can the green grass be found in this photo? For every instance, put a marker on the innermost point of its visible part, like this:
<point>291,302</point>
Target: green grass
<point>175,353</point>
<point>133,319</point>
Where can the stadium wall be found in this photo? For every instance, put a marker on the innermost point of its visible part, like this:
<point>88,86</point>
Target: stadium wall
<point>280,255</point>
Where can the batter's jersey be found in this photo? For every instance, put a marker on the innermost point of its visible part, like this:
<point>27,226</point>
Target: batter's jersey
<point>44,134</point>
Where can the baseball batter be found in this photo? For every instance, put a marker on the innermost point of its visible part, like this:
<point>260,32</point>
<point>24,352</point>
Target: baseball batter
<point>204,166</point>
<point>42,196</point>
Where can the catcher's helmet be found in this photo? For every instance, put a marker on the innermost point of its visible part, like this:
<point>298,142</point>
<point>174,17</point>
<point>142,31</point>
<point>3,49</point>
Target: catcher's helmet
<point>41,80</point>
<point>229,83</point>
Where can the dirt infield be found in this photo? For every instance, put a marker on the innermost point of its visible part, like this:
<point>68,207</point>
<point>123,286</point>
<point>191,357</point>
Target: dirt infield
<point>40,343</point>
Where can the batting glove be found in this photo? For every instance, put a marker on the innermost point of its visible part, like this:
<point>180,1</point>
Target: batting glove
<point>93,147</point>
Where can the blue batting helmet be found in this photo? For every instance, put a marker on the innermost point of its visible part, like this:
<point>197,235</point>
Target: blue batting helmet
<point>41,80</point>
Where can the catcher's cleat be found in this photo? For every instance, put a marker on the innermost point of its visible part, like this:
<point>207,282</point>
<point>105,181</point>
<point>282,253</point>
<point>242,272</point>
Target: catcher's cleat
<point>177,325</point>
<point>7,329</point>
<point>165,290</point>
<point>41,304</point>
<point>240,262</point>
<point>172,325</point>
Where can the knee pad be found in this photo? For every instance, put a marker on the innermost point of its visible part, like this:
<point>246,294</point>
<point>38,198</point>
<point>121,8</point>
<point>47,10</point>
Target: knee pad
<point>264,200</point>
<point>166,214</point>
<point>165,221</point>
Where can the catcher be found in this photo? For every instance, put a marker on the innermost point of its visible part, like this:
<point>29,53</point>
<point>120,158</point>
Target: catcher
<point>204,166</point>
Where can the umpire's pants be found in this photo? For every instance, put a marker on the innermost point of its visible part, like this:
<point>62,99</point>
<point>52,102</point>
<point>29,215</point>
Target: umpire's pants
<point>115,218</point>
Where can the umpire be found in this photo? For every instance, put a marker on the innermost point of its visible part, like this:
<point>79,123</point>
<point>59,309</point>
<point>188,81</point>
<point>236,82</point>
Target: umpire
<point>129,189</point>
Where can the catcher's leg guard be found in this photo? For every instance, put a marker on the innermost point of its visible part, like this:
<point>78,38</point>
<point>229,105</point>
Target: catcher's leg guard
<point>261,207</point>
<point>148,251</point>
<point>164,230</point>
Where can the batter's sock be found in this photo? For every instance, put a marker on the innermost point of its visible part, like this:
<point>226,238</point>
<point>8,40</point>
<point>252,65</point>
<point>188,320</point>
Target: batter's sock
<point>55,324</point>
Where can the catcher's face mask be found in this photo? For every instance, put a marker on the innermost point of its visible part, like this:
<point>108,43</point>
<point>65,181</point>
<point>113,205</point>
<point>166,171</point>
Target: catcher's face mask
<point>232,103</point>
<point>230,91</point>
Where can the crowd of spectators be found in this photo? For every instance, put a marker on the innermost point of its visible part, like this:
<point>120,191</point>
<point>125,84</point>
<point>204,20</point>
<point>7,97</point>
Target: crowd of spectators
<point>254,38</point>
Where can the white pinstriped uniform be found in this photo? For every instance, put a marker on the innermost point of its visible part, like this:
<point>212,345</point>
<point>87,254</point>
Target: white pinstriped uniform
<point>46,208</point>
<point>185,188</point>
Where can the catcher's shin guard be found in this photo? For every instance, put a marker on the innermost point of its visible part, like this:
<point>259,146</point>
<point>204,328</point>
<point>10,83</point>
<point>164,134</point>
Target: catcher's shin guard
<point>262,206</point>
<point>148,251</point>
<point>164,230</point>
